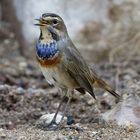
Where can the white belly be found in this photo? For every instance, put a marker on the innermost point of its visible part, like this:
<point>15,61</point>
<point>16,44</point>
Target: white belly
<point>48,74</point>
<point>58,77</point>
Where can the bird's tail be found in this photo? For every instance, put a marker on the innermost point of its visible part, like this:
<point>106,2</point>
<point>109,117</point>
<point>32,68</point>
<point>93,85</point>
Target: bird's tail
<point>98,82</point>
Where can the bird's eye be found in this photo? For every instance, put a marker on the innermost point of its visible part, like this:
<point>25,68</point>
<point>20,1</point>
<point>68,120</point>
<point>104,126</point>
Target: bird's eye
<point>55,22</point>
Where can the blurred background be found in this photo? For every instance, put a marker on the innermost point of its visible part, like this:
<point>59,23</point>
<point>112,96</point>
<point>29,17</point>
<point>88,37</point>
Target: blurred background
<point>107,33</point>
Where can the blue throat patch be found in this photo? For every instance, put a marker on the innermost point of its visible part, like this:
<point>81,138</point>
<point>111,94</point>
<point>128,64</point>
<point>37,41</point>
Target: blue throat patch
<point>47,50</point>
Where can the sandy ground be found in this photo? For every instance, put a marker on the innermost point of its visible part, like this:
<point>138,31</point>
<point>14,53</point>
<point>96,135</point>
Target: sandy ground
<point>90,132</point>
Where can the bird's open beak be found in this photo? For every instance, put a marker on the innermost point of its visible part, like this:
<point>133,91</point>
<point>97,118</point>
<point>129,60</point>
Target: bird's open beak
<point>41,22</point>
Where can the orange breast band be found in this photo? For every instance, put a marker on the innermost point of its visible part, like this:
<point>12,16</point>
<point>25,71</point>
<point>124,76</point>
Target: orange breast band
<point>49,62</point>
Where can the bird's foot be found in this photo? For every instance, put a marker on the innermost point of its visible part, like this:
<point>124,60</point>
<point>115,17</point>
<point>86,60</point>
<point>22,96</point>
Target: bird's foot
<point>49,126</point>
<point>52,126</point>
<point>55,126</point>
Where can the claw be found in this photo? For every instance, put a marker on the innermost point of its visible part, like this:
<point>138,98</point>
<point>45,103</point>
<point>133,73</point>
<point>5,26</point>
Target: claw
<point>52,126</point>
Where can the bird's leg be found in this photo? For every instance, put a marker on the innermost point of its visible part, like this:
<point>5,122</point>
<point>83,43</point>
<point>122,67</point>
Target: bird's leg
<point>53,125</point>
<point>66,107</point>
<point>54,118</point>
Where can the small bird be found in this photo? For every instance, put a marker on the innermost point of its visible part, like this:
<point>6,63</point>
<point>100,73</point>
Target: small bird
<point>62,64</point>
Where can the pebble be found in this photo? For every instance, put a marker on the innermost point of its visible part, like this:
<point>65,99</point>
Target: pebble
<point>94,133</point>
<point>47,118</point>
<point>22,65</point>
<point>130,128</point>
<point>6,41</point>
<point>4,89</point>
<point>55,105</point>
<point>3,136</point>
<point>20,90</point>
<point>90,102</point>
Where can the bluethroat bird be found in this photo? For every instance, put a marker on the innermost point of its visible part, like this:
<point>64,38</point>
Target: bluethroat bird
<point>62,64</point>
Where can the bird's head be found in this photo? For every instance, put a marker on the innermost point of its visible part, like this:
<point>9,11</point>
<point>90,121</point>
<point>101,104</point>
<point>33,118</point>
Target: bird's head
<point>52,26</point>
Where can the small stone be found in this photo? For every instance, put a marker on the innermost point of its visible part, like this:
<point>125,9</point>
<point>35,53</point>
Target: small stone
<point>22,65</point>
<point>4,89</point>
<point>3,136</point>
<point>6,41</point>
<point>83,109</point>
<point>47,118</point>
<point>94,133</point>
<point>90,102</point>
<point>130,128</point>
<point>20,90</point>
<point>55,105</point>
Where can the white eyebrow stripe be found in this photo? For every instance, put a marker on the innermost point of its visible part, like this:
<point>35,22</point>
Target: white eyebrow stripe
<point>50,18</point>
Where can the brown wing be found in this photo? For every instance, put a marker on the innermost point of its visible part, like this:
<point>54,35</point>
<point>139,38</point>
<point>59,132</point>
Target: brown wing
<point>76,66</point>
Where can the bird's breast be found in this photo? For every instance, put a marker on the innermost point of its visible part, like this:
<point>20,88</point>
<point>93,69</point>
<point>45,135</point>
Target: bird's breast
<point>48,54</point>
<point>46,50</point>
